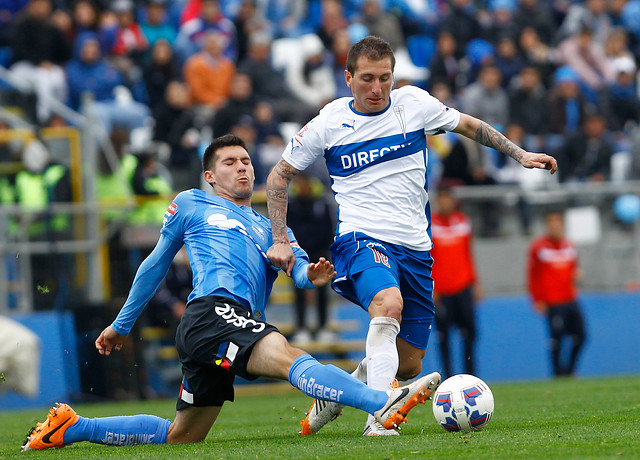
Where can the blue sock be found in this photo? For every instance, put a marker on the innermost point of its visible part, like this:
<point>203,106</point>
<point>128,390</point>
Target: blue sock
<point>119,431</point>
<point>330,383</point>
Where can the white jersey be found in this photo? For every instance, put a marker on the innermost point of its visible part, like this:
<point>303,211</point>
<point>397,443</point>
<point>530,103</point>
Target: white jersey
<point>377,163</point>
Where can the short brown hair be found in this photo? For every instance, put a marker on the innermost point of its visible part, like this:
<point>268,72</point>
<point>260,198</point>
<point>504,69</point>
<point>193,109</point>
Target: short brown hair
<point>371,47</point>
<point>228,140</point>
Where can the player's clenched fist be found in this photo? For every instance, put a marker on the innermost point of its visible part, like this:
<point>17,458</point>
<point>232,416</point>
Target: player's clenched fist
<point>107,340</point>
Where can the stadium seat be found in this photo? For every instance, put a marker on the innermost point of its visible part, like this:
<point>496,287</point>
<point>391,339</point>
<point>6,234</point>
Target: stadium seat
<point>421,48</point>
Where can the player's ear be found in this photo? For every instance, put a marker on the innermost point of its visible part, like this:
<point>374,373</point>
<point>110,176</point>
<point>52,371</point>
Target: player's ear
<point>347,77</point>
<point>209,177</point>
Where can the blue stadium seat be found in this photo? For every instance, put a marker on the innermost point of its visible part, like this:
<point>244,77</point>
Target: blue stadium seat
<point>421,48</point>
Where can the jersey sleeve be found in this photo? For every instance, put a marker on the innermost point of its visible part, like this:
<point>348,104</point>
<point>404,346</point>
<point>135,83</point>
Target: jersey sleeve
<point>437,116</point>
<point>306,146</point>
<point>175,218</point>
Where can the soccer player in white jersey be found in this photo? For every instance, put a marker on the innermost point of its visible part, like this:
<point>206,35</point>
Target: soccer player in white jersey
<point>375,149</point>
<point>223,332</point>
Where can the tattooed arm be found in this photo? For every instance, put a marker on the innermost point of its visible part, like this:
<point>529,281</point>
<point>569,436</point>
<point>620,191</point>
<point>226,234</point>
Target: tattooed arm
<point>280,254</point>
<point>486,134</point>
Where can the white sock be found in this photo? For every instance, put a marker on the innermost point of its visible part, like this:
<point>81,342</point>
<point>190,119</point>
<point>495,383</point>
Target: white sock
<point>382,354</point>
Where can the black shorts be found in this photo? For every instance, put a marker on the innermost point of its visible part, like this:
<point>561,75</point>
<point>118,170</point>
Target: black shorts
<point>214,340</point>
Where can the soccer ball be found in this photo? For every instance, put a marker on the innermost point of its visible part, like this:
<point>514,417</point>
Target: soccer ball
<point>463,403</point>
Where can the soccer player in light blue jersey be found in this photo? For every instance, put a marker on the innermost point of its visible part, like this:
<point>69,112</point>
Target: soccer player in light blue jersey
<point>223,332</point>
<point>375,149</point>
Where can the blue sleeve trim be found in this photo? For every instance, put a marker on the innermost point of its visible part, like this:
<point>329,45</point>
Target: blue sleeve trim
<point>148,277</point>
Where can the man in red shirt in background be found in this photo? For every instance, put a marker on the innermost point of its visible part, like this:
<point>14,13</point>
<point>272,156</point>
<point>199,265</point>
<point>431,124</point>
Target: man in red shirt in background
<point>553,273</point>
<point>456,289</point>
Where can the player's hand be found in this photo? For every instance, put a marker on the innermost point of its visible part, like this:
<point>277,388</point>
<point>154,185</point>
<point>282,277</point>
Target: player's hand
<point>281,256</point>
<point>109,339</point>
<point>540,161</point>
<point>321,272</point>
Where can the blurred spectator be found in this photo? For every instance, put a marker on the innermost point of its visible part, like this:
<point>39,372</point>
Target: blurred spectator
<point>331,21</point>
<point>85,17</point>
<point>193,33</point>
<point>456,288</point>
<point>247,21</point>
<point>130,40</point>
<point>528,103</point>
<point>552,276</point>
<point>460,20</point>
<point>40,184</point>
<point>486,99</point>
<point>587,58</point>
<point>9,12</point>
<point>89,72</point>
<point>382,24</point>
<point>586,156</point>
<point>619,102</point>
<point>501,24</point>
<point>269,83</point>
<point>209,73</point>
<point>591,14</point>
<point>537,53</point>
<point>152,184</point>
<point>175,126</point>
<point>307,75</point>
<point>310,217</point>
<point>339,52</point>
<point>537,15</point>
<point>507,60</point>
<point>444,65</point>
<point>39,49</point>
<point>158,71</point>
<point>617,44</point>
<point>240,103</point>
<point>567,107</point>
<point>156,26</point>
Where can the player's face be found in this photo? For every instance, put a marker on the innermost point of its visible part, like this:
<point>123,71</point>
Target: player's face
<point>370,84</point>
<point>232,176</point>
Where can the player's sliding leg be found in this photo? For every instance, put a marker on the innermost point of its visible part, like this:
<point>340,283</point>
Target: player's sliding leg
<point>63,427</point>
<point>323,412</point>
<point>272,356</point>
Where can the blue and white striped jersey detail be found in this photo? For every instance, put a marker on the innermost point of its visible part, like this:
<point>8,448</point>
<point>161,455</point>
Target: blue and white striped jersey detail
<point>377,163</point>
<point>226,245</point>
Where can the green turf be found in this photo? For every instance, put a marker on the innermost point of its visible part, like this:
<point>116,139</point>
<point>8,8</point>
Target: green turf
<point>569,418</point>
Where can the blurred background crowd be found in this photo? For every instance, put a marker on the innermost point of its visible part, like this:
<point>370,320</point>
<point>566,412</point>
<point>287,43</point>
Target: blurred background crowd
<point>554,75</point>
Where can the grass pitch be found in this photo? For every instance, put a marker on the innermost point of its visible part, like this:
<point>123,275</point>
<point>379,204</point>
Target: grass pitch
<point>568,418</point>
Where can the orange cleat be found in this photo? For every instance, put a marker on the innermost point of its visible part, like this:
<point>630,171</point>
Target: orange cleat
<point>403,399</point>
<point>50,433</point>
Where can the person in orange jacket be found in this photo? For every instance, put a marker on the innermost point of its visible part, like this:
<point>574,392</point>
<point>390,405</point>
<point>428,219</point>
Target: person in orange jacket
<point>456,289</point>
<point>552,275</point>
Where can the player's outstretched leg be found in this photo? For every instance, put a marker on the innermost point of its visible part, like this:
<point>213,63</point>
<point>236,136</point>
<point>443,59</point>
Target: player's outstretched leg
<point>323,412</point>
<point>403,399</point>
<point>63,426</point>
<point>329,383</point>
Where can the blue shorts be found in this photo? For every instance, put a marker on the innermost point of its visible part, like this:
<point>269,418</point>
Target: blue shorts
<point>365,266</point>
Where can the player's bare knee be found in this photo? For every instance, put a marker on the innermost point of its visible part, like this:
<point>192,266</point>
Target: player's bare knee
<point>387,303</point>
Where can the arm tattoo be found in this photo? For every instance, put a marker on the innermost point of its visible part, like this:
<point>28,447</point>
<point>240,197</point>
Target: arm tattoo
<point>277,195</point>
<point>489,136</point>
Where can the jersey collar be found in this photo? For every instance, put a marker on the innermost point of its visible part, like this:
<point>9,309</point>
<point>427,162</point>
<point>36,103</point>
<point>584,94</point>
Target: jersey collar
<point>373,114</point>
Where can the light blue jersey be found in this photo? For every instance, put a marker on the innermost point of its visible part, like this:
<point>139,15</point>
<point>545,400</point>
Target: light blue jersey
<point>226,245</point>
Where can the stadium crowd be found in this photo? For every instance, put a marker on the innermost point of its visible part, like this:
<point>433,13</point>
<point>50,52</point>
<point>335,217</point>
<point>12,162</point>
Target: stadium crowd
<point>555,76</point>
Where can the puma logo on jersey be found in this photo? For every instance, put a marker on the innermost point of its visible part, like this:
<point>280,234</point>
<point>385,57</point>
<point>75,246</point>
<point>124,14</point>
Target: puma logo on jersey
<point>352,125</point>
